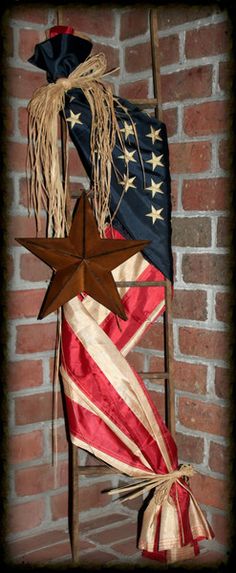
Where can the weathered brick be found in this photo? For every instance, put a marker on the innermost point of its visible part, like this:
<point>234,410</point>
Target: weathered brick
<point>221,527</point>
<point>174,194</point>
<point>190,377</point>
<point>203,416</point>
<point>226,75</point>
<point>97,20</point>
<point>169,50</point>
<point>126,547</point>
<point>190,304</point>
<point>206,343</point>
<point>206,118</point>
<point>8,38</point>
<point>209,491</point>
<point>192,157</point>
<point>136,360</point>
<point>23,121</point>
<point>191,231</point>
<point>170,119</point>
<point>23,226</point>
<point>35,337</point>
<point>59,505</point>
<point>26,516</point>
<point>104,521</point>
<point>35,408</point>
<point>40,478</point>
<point>138,58</point>
<point>10,267</point>
<point>109,536</point>
<point>133,90</point>
<point>206,194</point>
<point>26,447</point>
<point>225,230</point>
<point>25,303</point>
<point>60,438</point>
<point>97,557</point>
<point>34,270</point>
<point>22,83</point>
<point>8,120</point>
<point>28,38</point>
<point>30,13</point>
<point>112,54</point>
<point>225,155</point>
<point>195,82</point>
<point>25,374</point>
<point>134,22</point>
<point>93,496</point>
<point>190,448</point>
<point>208,40</point>
<point>75,165</point>
<point>16,156</point>
<point>218,458</point>
<point>153,338</point>
<point>170,15</point>
<point>224,306</point>
<point>223,379</point>
<point>206,268</point>
<point>158,399</point>
<point>28,544</point>
<point>50,553</point>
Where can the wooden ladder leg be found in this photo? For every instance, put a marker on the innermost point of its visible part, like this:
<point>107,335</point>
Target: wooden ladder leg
<point>74,501</point>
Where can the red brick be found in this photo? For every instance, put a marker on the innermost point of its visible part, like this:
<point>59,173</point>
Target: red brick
<point>138,58</point>
<point>206,268</point>
<point>9,41</point>
<point>25,303</point>
<point>220,525</point>
<point>169,50</point>
<point>23,121</point>
<point>190,304</point>
<point>136,360</point>
<point>47,554</point>
<point>35,337</point>
<point>104,521</point>
<point>170,15</point>
<point>205,343</point>
<point>34,542</point>
<point>25,374</point>
<point>97,557</point>
<point>153,338</point>
<point>203,416</point>
<point>134,23</point>
<point>10,267</point>
<point>207,40</point>
<point>8,120</point>
<point>40,478</point>
<point>218,458</point>
<point>206,194</point>
<point>34,270</point>
<point>128,547</point>
<point>16,156</point>
<point>23,83</point>
<point>23,226</point>
<point>192,157</point>
<point>59,505</point>
<point>112,55</point>
<point>195,82</point>
<point>133,90</point>
<point>75,165</point>
<point>190,448</point>
<point>191,231</point>
<point>190,377</point>
<point>92,496</point>
<point>209,491</point>
<point>26,516</point>
<point>26,447</point>
<point>98,20</point>
<point>155,364</point>
<point>223,380</point>
<point>116,533</point>
<point>225,229</point>
<point>225,155</point>
<point>158,399</point>
<point>35,408</point>
<point>174,194</point>
<point>170,118</point>
<point>28,38</point>
<point>61,442</point>
<point>226,75</point>
<point>30,13</point>
<point>223,306</point>
<point>206,118</point>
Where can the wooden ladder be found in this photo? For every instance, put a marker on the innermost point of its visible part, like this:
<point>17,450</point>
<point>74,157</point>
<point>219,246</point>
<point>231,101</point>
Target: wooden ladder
<point>75,470</point>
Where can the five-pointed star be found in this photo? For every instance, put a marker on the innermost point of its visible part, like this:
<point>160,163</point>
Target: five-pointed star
<point>155,161</point>
<point>74,118</point>
<point>155,188</point>
<point>127,129</point>
<point>128,182</point>
<point>155,214</point>
<point>154,134</point>
<point>82,262</point>
<point>128,156</point>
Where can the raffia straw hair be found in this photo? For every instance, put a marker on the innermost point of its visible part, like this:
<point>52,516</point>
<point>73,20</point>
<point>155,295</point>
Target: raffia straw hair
<point>46,188</point>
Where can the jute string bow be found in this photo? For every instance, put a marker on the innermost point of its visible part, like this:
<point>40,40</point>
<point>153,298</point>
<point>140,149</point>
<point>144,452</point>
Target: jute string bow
<point>46,188</point>
<point>161,483</point>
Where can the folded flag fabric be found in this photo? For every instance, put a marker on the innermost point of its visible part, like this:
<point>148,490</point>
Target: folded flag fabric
<point>110,412</point>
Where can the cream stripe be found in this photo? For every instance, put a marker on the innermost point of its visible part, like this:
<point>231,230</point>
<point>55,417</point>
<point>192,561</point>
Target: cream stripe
<point>121,466</point>
<point>131,343</point>
<point>115,368</point>
<point>76,394</point>
<point>133,267</point>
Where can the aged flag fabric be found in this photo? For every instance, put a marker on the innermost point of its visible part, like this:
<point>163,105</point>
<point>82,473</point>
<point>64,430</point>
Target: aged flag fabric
<point>110,411</point>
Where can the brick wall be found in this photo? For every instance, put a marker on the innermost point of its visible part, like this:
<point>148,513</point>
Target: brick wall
<point>195,82</point>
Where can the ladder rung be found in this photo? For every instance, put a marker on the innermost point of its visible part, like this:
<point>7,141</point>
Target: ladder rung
<point>140,284</point>
<point>148,102</point>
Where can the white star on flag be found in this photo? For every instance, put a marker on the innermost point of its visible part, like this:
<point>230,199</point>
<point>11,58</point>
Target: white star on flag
<point>155,161</point>
<point>128,182</point>
<point>155,214</point>
<point>127,129</point>
<point>74,119</point>
<point>155,188</point>
<point>154,134</point>
<point>128,156</point>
